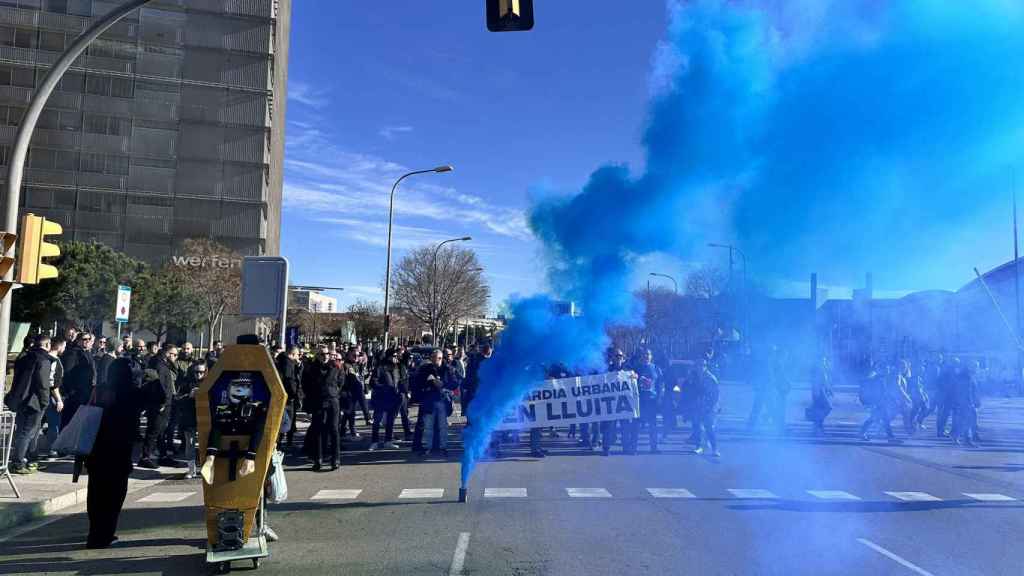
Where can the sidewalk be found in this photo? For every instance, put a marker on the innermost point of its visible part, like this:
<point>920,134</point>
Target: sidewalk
<point>52,492</point>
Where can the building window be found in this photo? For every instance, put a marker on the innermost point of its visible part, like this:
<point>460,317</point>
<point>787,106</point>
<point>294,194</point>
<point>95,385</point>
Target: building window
<point>98,85</point>
<point>11,115</point>
<point>24,77</point>
<point>56,6</point>
<point>105,163</point>
<point>52,41</point>
<point>110,125</point>
<point>122,88</point>
<point>72,82</point>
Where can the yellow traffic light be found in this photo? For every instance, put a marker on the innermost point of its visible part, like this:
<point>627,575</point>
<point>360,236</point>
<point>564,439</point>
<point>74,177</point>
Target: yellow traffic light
<point>6,262</point>
<point>34,230</point>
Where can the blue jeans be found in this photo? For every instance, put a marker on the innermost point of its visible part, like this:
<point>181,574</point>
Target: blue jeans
<point>438,414</point>
<point>52,424</point>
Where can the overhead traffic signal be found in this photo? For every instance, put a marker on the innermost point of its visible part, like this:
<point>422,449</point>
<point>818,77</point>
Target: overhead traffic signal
<point>6,262</point>
<point>509,15</point>
<point>34,247</point>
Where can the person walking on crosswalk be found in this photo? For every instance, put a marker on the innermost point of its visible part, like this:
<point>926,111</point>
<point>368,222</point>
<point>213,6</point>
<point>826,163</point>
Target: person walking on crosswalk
<point>707,411</point>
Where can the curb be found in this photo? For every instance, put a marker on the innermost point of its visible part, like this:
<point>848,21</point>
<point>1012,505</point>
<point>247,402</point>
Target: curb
<point>13,514</point>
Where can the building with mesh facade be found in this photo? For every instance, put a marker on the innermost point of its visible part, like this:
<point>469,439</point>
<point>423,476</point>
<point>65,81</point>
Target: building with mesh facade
<point>170,127</point>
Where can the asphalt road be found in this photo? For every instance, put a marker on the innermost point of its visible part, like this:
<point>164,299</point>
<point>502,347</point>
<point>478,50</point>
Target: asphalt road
<point>772,505</point>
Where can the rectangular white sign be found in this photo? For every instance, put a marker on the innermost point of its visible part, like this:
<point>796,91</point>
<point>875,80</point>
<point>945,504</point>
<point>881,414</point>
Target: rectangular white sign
<point>577,400</point>
<point>124,303</point>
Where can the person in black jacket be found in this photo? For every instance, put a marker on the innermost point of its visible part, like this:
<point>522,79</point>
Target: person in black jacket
<point>29,397</point>
<point>79,375</point>
<point>386,400</point>
<point>110,462</point>
<point>472,381</point>
<point>160,386</point>
<point>290,373</point>
<point>353,394</point>
<point>322,383</point>
<point>431,383</point>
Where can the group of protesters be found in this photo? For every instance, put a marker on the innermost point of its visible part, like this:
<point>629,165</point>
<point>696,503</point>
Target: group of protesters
<point>55,376</point>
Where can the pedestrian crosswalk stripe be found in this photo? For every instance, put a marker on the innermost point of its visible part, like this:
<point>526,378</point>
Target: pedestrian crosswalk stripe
<point>588,493</point>
<point>422,493</point>
<point>670,493</point>
<point>752,493</point>
<point>163,497</point>
<point>914,496</point>
<point>337,494</point>
<point>990,497</point>
<point>832,495</point>
<point>504,492</point>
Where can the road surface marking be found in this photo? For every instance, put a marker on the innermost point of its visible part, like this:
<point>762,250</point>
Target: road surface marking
<point>337,495</point>
<point>422,493</point>
<point>588,493</point>
<point>990,497</point>
<point>504,492</point>
<point>166,497</point>
<point>459,558</point>
<point>752,493</point>
<point>902,562</point>
<point>670,493</point>
<point>914,496</point>
<point>832,495</point>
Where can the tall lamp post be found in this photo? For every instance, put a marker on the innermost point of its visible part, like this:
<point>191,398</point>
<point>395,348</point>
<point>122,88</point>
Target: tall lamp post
<point>19,150</point>
<point>387,267</point>
<point>675,285</point>
<point>746,311</point>
<point>433,284</point>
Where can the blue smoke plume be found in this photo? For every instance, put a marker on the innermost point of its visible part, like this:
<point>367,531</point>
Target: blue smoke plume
<point>835,136</point>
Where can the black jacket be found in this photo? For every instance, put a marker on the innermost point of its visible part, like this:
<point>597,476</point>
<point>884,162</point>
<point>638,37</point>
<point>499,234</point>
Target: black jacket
<point>472,381</point>
<point>425,390</point>
<point>288,369</point>
<point>102,367</point>
<point>112,452</point>
<point>31,386</point>
<point>79,375</point>
<point>162,390</point>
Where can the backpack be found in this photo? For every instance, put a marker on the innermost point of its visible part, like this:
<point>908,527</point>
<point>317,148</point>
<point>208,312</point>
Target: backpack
<point>152,387</point>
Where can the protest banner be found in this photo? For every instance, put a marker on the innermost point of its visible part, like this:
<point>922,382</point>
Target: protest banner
<point>577,400</point>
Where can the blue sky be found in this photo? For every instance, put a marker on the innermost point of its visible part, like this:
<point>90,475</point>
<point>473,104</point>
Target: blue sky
<point>379,88</point>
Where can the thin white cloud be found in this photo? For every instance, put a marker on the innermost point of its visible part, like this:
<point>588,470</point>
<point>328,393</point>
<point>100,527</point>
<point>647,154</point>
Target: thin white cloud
<point>389,132</point>
<point>307,94</point>
<point>323,180</point>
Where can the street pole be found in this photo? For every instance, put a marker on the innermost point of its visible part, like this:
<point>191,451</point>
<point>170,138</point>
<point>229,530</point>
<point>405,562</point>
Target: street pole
<point>1016,284</point>
<point>19,150</point>
<point>433,287</point>
<point>387,266</point>
<point>675,285</point>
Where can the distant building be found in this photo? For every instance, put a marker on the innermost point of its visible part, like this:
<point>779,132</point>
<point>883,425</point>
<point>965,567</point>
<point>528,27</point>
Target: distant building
<point>170,127</point>
<point>313,301</point>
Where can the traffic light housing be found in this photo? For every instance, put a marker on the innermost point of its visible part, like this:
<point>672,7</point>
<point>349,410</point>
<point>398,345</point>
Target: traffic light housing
<point>509,15</point>
<point>6,262</point>
<point>34,247</point>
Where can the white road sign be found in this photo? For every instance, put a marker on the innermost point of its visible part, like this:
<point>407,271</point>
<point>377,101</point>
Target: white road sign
<point>124,303</point>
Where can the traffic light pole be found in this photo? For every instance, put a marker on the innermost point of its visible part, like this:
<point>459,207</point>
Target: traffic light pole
<point>19,151</point>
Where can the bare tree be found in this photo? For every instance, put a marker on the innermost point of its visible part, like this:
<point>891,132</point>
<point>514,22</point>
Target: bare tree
<point>215,273</point>
<point>440,293</point>
<point>368,318</point>
<point>706,282</point>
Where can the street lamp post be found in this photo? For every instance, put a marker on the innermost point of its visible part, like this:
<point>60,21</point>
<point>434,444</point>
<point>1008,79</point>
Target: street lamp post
<point>675,285</point>
<point>19,150</point>
<point>746,310</point>
<point>433,284</point>
<point>387,267</point>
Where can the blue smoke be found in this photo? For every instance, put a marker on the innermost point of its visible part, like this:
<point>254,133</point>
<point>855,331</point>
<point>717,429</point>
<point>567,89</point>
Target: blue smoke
<point>835,136</point>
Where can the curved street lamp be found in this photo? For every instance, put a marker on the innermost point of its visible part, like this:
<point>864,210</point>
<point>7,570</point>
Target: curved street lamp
<point>433,282</point>
<point>387,266</point>
<point>675,285</point>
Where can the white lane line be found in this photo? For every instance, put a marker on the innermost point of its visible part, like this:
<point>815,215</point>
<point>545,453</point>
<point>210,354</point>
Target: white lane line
<point>588,493</point>
<point>337,494</point>
<point>832,495</point>
<point>504,492</point>
<point>914,496</point>
<point>752,493</point>
<point>901,561</point>
<point>459,557</point>
<point>990,497</point>
<point>166,497</point>
<point>670,493</point>
<point>422,493</point>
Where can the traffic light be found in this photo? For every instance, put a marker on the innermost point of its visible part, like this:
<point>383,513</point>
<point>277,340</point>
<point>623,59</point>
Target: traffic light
<point>509,15</point>
<point>34,230</point>
<point>6,262</point>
